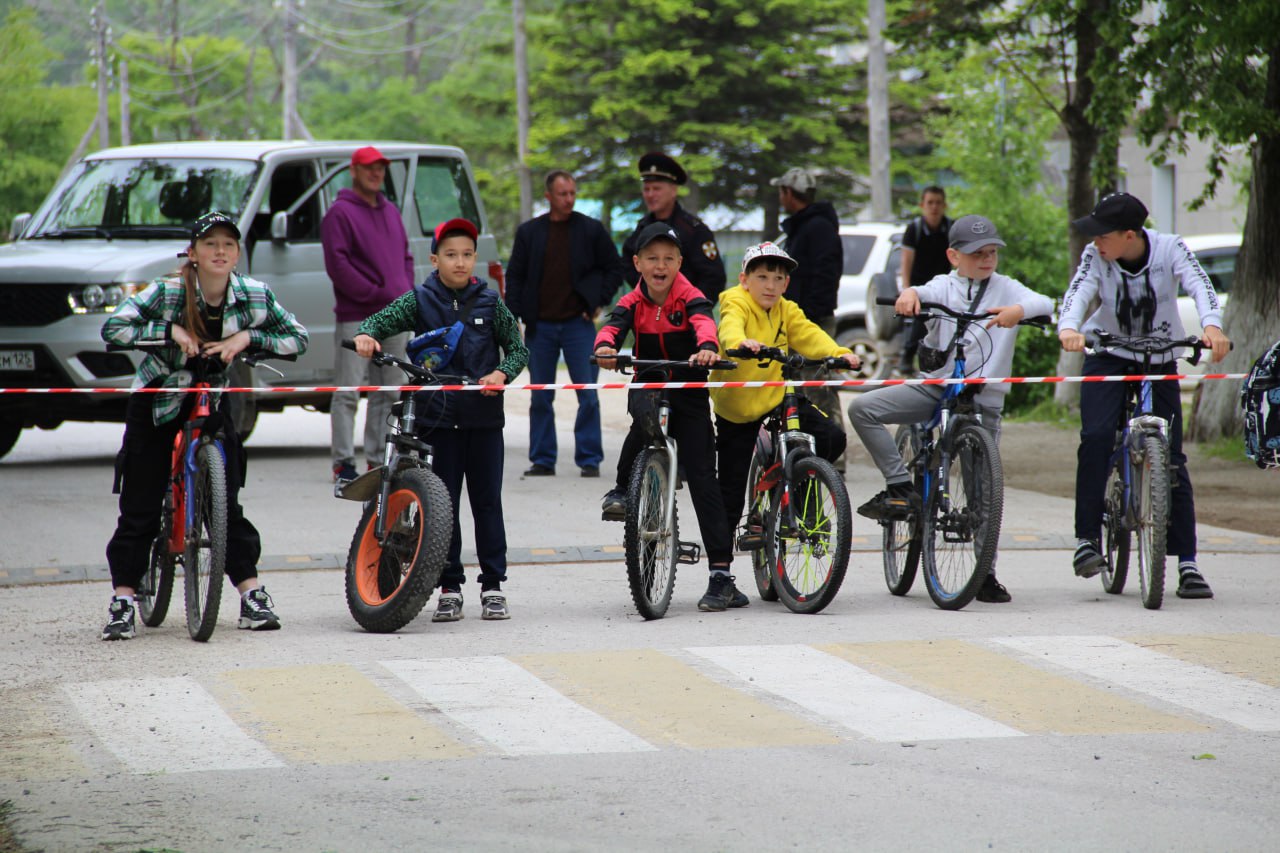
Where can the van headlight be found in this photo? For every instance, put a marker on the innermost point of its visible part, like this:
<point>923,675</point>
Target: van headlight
<point>96,299</point>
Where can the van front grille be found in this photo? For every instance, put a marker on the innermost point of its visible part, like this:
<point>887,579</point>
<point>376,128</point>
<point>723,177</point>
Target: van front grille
<point>34,304</point>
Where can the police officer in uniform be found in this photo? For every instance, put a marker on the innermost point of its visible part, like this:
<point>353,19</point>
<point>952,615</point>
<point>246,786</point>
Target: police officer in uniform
<point>662,177</point>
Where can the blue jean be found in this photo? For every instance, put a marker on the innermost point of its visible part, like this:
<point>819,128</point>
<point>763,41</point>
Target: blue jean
<point>548,340</point>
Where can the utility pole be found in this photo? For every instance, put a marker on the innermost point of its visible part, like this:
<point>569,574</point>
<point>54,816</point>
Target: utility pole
<point>126,138</point>
<point>878,111</point>
<point>522,111</point>
<point>99,19</point>
<point>290,88</point>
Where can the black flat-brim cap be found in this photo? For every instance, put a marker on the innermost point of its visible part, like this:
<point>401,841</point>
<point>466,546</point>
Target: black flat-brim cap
<point>657,231</point>
<point>1116,212</point>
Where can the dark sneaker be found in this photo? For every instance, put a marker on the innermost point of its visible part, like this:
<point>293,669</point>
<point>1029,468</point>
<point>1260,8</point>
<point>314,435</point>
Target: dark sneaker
<point>722,594</point>
<point>993,592</point>
<point>121,626</point>
<point>448,607</point>
<point>344,472</point>
<point>896,502</point>
<point>493,605</point>
<point>614,506</point>
<point>1191,584</point>
<point>256,613</point>
<point>590,471</point>
<point>1088,560</point>
<point>539,470</point>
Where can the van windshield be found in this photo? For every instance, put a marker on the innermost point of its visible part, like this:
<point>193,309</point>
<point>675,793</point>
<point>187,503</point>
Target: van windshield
<point>143,198</point>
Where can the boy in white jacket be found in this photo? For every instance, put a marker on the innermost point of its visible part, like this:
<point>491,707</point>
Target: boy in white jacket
<point>973,286</point>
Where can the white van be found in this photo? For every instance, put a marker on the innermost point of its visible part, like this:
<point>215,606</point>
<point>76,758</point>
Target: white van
<point>121,216</point>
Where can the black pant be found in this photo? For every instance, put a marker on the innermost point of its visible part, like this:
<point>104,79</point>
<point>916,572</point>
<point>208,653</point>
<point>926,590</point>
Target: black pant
<point>1101,404</point>
<point>690,426</point>
<point>474,455</point>
<point>145,461</point>
<point>736,442</point>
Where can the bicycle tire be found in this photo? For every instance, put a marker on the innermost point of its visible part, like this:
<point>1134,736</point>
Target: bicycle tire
<point>1153,520</point>
<point>962,519</point>
<point>388,584</point>
<point>154,594</point>
<point>205,557</point>
<point>813,528</point>
<point>901,537</point>
<point>1116,533</point>
<point>759,502</point>
<point>650,545</point>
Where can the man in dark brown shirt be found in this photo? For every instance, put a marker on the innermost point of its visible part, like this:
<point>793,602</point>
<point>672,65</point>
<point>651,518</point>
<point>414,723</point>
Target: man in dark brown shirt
<point>563,270</point>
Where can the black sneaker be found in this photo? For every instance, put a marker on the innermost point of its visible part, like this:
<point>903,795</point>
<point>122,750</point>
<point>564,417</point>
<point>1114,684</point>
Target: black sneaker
<point>722,594</point>
<point>537,469</point>
<point>493,605</point>
<point>1088,560</point>
<point>614,506</point>
<point>993,592</point>
<point>121,626</point>
<point>344,472</point>
<point>448,607</point>
<point>1191,584</point>
<point>898,501</point>
<point>256,612</point>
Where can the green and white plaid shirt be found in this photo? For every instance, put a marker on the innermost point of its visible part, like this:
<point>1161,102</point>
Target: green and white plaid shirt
<point>146,317</point>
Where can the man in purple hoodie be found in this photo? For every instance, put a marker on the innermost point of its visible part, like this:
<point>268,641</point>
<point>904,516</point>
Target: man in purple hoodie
<point>366,253</point>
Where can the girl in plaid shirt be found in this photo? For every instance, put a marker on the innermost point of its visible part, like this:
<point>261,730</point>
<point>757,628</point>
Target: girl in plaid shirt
<point>206,308</point>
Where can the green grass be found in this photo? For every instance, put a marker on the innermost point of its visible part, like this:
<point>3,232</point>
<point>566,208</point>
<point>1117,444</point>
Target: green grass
<point>8,843</point>
<point>1047,412</point>
<point>1229,448</point>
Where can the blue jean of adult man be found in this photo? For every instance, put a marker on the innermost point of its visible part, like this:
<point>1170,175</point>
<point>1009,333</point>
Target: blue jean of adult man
<point>573,338</point>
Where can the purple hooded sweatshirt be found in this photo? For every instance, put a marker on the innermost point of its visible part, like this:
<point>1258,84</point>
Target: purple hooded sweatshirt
<point>366,254</point>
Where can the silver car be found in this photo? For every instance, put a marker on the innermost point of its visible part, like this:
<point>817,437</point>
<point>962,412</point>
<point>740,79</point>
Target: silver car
<point>120,218</point>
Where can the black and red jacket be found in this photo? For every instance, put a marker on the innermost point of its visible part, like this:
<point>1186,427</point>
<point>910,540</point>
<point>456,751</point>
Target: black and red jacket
<point>675,330</point>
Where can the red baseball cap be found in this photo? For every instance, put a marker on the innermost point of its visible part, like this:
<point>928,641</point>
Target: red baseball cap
<point>365,156</point>
<point>463,225</point>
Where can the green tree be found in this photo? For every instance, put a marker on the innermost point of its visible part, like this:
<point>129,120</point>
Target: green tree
<point>39,124</point>
<point>994,139</point>
<point>1214,73</point>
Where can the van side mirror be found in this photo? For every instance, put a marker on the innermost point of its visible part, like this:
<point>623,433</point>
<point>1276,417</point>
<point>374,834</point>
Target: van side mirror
<point>279,226</point>
<point>19,225</point>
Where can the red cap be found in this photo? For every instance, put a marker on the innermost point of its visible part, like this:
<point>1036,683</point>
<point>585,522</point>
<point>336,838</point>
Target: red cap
<point>463,225</point>
<point>365,156</point>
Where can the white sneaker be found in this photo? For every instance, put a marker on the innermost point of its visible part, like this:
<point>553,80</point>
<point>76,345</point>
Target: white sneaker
<point>448,607</point>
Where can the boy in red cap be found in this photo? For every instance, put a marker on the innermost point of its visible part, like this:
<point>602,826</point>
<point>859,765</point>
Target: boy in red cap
<point>464,428</point>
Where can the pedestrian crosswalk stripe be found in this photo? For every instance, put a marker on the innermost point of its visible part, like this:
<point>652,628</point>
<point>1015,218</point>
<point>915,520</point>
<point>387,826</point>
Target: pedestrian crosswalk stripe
<point>1245,703</point>
<point>1002,688</point>
<point>511,709</point>
<point>332,714</point>
<point>33,745</point>
<point>1252,656</point>
<point>166,725</point>
<point>849,695</point>
<point>666,701</point>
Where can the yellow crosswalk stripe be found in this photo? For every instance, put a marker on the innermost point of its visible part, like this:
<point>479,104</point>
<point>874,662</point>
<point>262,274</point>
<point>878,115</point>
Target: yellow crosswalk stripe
<point>33,745</point>
<point>332,714</point>
<point>1002,688</point>
<point>666,701</point>
<point>1252,656</point>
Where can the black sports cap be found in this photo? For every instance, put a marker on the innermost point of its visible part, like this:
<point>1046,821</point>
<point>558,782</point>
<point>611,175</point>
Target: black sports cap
<point>657,231</point>
<point>210,221</point>
<point>1116,212</point>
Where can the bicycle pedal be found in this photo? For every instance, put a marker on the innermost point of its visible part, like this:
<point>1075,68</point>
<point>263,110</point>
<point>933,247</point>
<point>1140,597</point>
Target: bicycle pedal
<point>751,541</point>
<point>688,552</point>
<point>613,516</point>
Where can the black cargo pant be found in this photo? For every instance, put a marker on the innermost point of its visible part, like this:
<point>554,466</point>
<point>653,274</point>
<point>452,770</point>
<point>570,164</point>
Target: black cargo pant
<point>143,466</point>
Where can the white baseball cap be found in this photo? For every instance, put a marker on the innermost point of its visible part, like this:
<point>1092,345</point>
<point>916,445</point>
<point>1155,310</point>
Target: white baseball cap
<point>798,179</point>
<point>768,250</point>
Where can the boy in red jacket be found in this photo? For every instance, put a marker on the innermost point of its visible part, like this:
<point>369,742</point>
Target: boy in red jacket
<point>671,319</point>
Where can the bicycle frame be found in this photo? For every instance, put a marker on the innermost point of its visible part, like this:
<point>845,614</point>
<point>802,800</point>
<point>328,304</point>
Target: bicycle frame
<point>183,469</point>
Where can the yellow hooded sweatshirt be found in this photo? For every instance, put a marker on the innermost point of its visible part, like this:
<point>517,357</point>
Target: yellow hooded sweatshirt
<point>785,327</point>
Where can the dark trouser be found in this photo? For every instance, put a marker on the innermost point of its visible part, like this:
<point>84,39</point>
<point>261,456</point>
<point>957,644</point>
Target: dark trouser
<point>1101,405</point>
<point>147,456</point>
<point>735,443</point>
<point>475,455</point>
<point>690,426</point>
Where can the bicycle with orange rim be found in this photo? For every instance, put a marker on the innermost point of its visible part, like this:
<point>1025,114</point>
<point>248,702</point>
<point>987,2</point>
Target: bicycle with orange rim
<point>401,543</point>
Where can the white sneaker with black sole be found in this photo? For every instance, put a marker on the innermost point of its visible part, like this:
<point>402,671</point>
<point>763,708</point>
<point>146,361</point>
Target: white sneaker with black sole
<point>1089,560</point>
<point>256,611</point>
<point>121,626</point>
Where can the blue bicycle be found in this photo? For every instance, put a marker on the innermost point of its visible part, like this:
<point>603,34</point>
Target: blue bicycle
<point>955,464</point>
<point>1136,499</point>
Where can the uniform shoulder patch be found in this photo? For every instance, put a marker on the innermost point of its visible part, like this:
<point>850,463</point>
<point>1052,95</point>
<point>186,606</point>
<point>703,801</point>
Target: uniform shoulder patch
<point>710,250</point>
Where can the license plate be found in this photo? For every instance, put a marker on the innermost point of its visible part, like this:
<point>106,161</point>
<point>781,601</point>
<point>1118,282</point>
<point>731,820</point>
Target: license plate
<point>17,359</point>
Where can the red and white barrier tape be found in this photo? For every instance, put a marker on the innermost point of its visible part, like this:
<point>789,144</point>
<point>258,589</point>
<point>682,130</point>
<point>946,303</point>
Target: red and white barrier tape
<point>619,386</point>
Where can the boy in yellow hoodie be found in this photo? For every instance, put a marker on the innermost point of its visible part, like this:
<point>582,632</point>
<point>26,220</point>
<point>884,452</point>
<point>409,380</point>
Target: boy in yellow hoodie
<point>753,315</point>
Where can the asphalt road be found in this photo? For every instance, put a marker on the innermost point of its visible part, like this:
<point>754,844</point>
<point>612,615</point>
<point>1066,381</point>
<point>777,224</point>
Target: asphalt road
<point>1066,719</point>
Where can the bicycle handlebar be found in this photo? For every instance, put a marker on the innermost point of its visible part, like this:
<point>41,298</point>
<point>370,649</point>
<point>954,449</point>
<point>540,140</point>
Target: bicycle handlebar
<point>426,375</point>
<point>624,361</point>
<point>1039,322</point>
<point>1101,341</point>
<point>792,360</point>
<point>251,357</point>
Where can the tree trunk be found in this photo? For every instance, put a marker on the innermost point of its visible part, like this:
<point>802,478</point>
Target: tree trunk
<point>768,196</point>
<point>1252,316</point>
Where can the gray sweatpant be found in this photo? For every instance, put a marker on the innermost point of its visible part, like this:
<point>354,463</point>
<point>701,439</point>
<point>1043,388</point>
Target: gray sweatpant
<point>899,404</point>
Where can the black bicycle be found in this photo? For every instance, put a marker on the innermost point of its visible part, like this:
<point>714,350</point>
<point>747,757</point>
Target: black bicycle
<point>798,526</point>
<point>652,534</point>
<point>401,544</point>
<point>954,462</point>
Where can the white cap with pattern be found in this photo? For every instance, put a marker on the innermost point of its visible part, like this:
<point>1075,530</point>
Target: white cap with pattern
<point>768,250</point>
